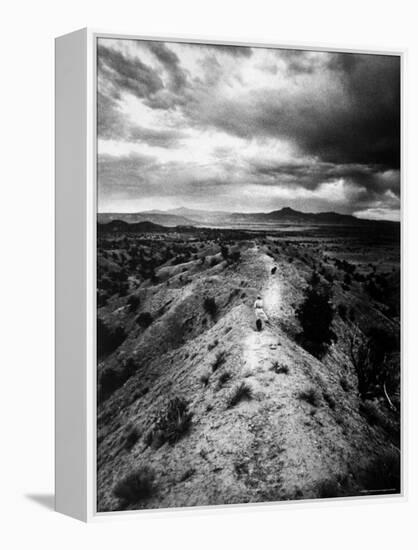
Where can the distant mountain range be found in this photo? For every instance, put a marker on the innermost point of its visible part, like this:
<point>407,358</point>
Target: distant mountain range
<point>201,218</point>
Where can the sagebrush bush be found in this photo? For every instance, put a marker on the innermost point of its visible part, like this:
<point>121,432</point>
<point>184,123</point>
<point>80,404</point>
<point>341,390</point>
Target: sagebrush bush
<point>136,486</point>
<point>210,306</point>
<point>315,314</point>
<point>240,392</point>
<point>109,337</point>
<point>219,360</point>
<point>223,378</point>
<point>133,302</point>
<point>328,398</point>
<point>171,424</point>
<point>279,368</point>
<point>310,395</point>
<point>144,319</point>
<point>370,354</point>
<point>113,378</point>
<point>204,378</point>
<point>132,435</point>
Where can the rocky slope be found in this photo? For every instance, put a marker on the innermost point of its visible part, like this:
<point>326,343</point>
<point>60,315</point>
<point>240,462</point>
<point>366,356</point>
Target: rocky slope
<point>296,432</point>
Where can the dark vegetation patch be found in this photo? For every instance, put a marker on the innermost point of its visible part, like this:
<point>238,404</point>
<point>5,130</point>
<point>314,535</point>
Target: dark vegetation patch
<point>310,395</point>
<point>279,368</point>
<point>109,338</point>
<point>187,474</point>
<point>344,383</point>
<point>383,474</point>
<point>170,424</point>
<point>213,345</point>
<point>241,392</point>
<point>315,315</point>
<point>131,437</point>
<point>144,319</point>
<point>219,361</point>
<point>374,355</point>
<point>133,302</point>
<point>113,378</point>
<point>328,398</point>
<point>204,378</point>
<point>210,306</point>
<point>136,486</point>
<point>224,378</point>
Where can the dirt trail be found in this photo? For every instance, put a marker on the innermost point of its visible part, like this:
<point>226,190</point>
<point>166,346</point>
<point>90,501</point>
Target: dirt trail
<point>259,345</point>
<point>294,436</point>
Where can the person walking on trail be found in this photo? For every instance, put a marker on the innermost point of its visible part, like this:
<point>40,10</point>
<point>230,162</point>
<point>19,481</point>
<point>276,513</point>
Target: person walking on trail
<point>260,314</point>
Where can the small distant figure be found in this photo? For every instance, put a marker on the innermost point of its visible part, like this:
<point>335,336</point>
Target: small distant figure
<point>273,271</point>
<point>260,314</point>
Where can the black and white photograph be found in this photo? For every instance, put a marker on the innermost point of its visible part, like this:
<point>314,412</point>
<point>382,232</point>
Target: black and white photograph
<point>248,274</point>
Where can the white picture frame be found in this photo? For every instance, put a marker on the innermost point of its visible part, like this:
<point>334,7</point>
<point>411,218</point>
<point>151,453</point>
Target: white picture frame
<point>76,210</point>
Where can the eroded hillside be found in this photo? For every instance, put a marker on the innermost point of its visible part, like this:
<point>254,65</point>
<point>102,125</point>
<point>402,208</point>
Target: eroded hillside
<point>197,407</point>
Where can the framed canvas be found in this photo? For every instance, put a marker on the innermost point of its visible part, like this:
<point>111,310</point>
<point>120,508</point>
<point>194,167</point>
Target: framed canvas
<point>228,274</point>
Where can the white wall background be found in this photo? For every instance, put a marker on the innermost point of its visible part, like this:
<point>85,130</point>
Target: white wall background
<point>26,308</point>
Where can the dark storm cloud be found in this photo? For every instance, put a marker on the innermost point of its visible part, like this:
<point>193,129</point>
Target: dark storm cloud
<point>171,62</point>
<point>126,73</point>
<point>312,174</point>
<point>355,120</point>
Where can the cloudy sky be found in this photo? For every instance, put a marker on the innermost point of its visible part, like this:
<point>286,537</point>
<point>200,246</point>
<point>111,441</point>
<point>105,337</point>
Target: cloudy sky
<point>247,129</point>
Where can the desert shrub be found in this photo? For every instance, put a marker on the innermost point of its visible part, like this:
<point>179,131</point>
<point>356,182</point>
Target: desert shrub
<point>131,437</point>
<point>240,392</point>
<point>329,488</point>
<point>210,306</point>
<point>102,298</point>
<point>371,356</point>
<point>344,383</point>
<point>370,410</point>
<point>235,256</point>
<point>328,398</point>
<point>224,252</point>
<point>342,311</point>
<point>383,474</point>
<point>279,368</point>
<point>219,360</point>
<point>133,302</point>
<point>273,270</point>
<point>204,378</point>
<point>213,345</point>
<point>136,486</point>
<point>171,424</point>
<point>112,378</point>
<point>315,315</point>
<point>110,381</point>
<point>347,280</point>
<point>187,474</point>
<point>223,378</point>
<point>109,337</point>
<point>144,319</point>
<point>310,395</point>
